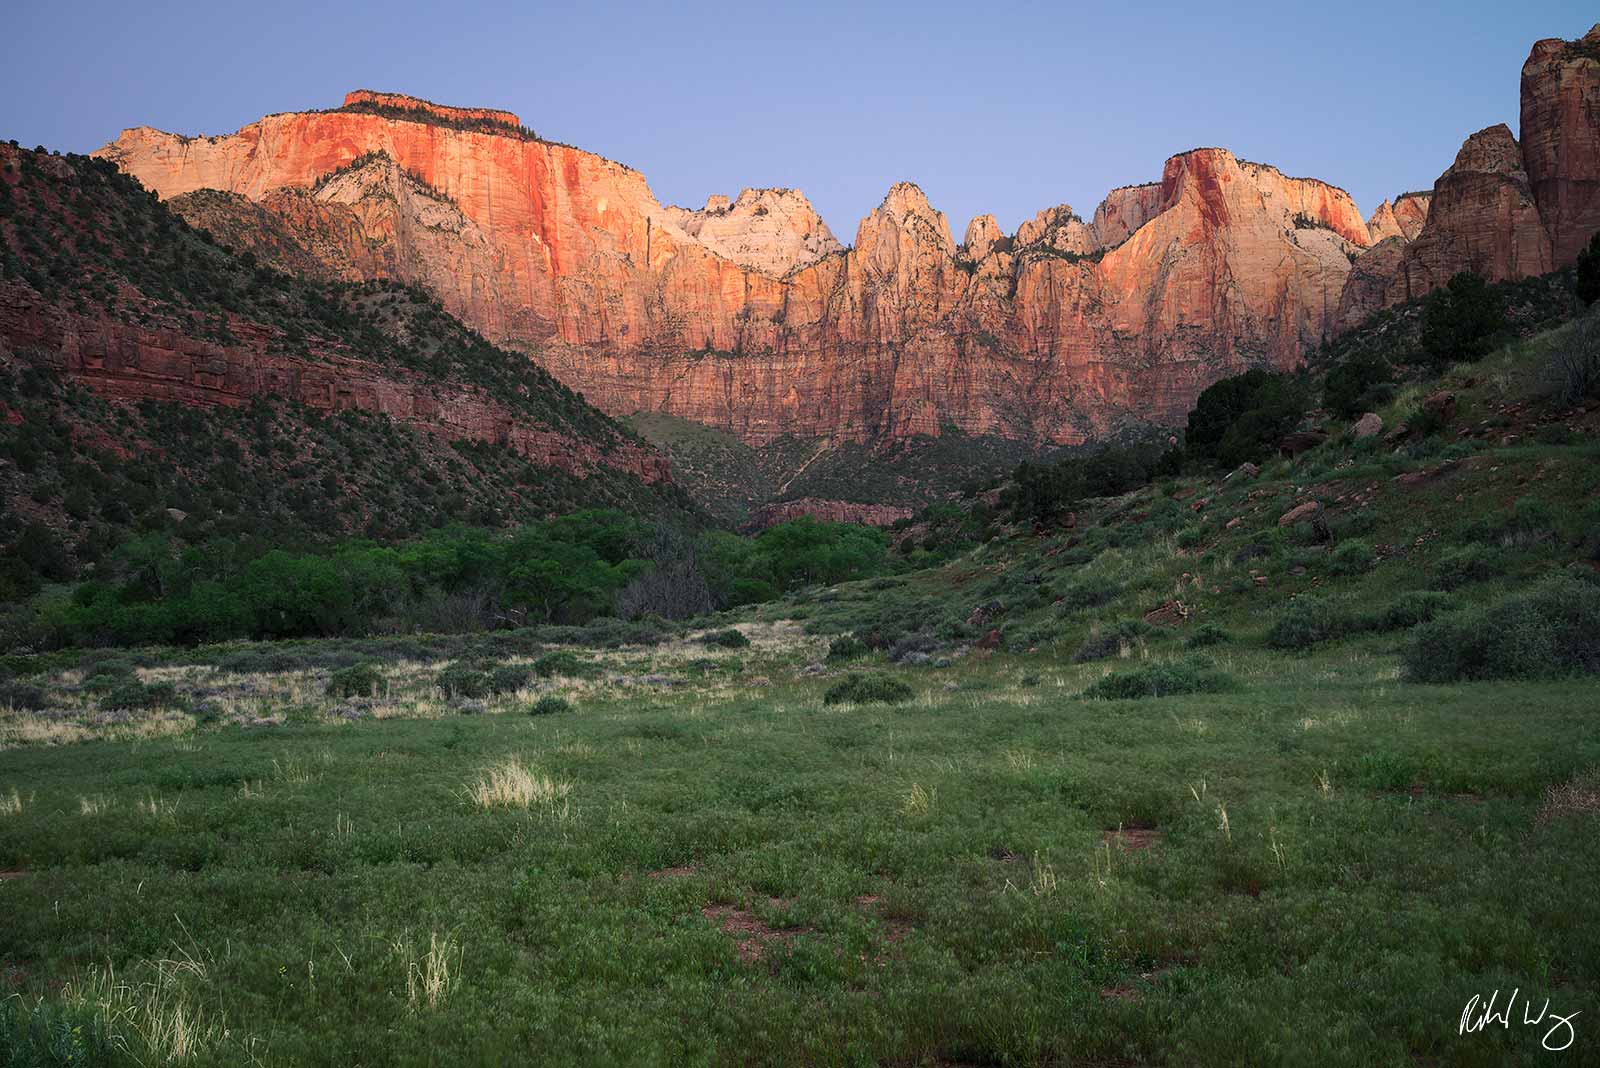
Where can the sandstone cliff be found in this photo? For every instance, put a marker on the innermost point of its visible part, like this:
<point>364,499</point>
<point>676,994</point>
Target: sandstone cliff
<point>746,315</point>
<point>1504,209</point>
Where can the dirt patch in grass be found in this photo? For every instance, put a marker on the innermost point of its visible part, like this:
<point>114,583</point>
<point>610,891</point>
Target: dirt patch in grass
<point>1130,838</point>
<point>752,936</point>
<point>1005,856</point>
<point>682,871</point>
<point>13,873</point>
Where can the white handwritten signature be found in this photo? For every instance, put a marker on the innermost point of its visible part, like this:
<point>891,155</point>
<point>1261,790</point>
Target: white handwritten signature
<point>1480,1014</point>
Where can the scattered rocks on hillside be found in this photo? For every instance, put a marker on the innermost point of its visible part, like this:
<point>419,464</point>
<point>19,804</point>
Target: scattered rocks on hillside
<point>1301,441</point>
<point>1441,404</point>
<point>986,613</point>
<point>1244,470</point>
<point>1171,614</point>
<point>1368,426</point>
<point>1300,512</point>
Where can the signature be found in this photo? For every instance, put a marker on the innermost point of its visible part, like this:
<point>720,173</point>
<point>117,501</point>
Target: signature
<point>1480,1014</point>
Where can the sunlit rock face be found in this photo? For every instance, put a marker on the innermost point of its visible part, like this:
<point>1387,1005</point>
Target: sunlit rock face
<point>748,314</point>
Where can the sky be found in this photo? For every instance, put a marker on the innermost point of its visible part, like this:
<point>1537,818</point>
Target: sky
<point>997,107</point>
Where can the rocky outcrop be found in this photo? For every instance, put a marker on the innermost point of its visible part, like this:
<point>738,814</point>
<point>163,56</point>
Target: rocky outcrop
<point>1411,214</point>
<point>774,231</point>
<point>1504,209</point>
<point>368,99</point>
<point>756,322</point>
<point>1482,218</point>
<point>1561,139</point>
<point>165,362</point>
<point>872,515</point>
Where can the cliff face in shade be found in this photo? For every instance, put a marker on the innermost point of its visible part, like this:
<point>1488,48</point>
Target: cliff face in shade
<point>1504,209</point>
<point>1561,139</point>
<point>746,315</point>
<point>134,363</point>
<point>827,511</point>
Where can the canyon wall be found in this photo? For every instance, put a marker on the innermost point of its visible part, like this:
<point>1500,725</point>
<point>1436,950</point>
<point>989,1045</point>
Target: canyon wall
<point>1504,209</point>
<point>747,314</point>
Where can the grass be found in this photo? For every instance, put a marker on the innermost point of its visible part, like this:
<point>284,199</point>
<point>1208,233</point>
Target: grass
<point>1054,878</point>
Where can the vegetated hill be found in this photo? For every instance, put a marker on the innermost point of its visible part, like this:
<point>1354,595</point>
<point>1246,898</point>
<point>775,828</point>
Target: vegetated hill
<point>1483,480</point>
<point>149,378</point>
<point>743,485</point>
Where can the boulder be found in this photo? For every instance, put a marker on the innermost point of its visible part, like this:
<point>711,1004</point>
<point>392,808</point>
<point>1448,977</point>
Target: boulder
<point>1369,425</point>
<point>1306,511</point>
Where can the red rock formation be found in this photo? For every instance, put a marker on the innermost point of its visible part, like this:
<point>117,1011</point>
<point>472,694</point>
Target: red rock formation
<point>1411,214</point>
<point>165,363</point>
<point>1504,210</point>
<point>1222,265</point>
<point>1561,139</point>
<point>872,515</point>
<point>367,98</point>
<point>1482,219</point>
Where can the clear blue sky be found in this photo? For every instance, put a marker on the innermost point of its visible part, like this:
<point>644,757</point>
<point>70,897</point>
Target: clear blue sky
<point>1006,108</point>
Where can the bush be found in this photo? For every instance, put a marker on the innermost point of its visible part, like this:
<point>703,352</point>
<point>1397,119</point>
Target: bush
<point>1101,644</point>
<point>21,696</point>
<point>1089,593</point>
<point>508,679</point>
<point>461,681</point>
<point>1468,564</point>
<point>134,694</point>
<point>1358,385</point>
<point>846,647</point>
<point>865,689</point>
<point>360,680</point>
<point>1208,634</point>
<point>1164,679</point>
<point>1409,609</point>
<point>1241,418</point>
<point>562,663</point>
<point>550,705</point>
<point>1572,373</point>
<point>726,639</point>
<point>1550,631</point>
<point>1352,558</point>
<point>1307,621</point>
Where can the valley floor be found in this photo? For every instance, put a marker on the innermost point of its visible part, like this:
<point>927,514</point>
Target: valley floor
<point>704,864</point>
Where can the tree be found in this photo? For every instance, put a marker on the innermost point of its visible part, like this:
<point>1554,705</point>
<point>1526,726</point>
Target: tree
<point>1241,418</point>
<point>1357,385</point>
<point>1462,321</point>
<point>1589,271</point>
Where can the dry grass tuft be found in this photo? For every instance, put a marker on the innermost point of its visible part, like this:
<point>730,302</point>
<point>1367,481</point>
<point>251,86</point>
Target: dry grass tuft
<point>1578,796</point>
<point>11,804</point>
<point>430,978</point>
<point>94,806</point>
<point>918,801</point>
<point>514,785</point>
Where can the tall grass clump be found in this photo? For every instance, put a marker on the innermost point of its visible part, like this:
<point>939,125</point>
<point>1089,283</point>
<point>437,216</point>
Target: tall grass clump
<point>512,784</point>
<point>1549,631</point>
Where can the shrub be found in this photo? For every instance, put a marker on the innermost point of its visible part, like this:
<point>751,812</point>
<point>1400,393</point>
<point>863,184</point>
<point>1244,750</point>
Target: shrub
<point>134,694</point>
<point>461,681</point>
<point>1163,679</point>
<point>1208,634</point>
<point>1550,631</point>
<point>1572,371</point>
<point>1352,557</point>
<point>550,705</point>
<point>726,639</point>
<point>846,647</point>
<point>864,689</point>
<point>1241,418</point>
<point>1468,564</point>
<point>562,663</point>
<point>1409,609</point>
<point>1111,641</point>
<point>1307,621</point>
<point>508,679</point>
<point>360,680</point>
<point>1089,593</point>
<point>913,647</point>
<point>21,696</point>
<point>1358,385</point>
